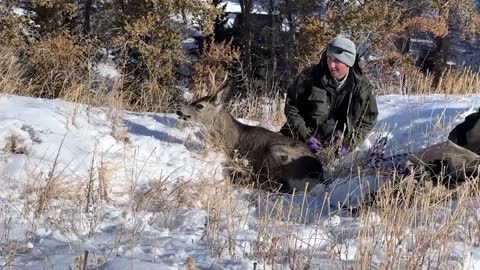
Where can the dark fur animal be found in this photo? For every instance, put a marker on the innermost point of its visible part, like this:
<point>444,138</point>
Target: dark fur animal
<point>447,163</point>
<point>274,157</point>
<point>467,134</point>
<point>444,163</point>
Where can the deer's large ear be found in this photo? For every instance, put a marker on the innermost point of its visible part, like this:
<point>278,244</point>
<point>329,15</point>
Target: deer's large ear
<point>223,93</point>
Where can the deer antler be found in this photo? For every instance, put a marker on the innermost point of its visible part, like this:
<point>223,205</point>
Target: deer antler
<point>212,78</point>
<point>225,78</point>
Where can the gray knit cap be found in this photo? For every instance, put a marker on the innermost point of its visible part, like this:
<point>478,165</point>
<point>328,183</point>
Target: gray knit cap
<point>343,50</point>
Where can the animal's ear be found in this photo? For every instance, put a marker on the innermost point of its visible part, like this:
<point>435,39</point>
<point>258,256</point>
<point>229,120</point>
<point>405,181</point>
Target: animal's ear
<point>224,92</point>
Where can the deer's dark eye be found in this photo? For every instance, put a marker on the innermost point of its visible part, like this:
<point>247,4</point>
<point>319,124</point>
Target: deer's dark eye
<point>199,106</point>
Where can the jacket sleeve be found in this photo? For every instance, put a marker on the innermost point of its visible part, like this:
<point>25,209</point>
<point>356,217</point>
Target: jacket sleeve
<point>367,118</point>
<point>292,112</point>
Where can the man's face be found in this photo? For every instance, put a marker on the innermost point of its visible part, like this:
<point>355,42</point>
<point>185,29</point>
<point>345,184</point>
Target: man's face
<point>338,69</point>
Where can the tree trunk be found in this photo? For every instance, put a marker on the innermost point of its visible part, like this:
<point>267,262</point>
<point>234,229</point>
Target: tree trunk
<point>271,79</point>
<point>289,43</point>
<point>440,58</point>
<point>440,52</point>
<point>246,36</point>
<point>87,13</point>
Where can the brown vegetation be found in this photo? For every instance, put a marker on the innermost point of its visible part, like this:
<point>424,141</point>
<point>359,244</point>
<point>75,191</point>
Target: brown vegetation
<point>50,51</point>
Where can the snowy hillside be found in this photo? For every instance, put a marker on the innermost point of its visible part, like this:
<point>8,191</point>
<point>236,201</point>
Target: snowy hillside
<point>140,191</point>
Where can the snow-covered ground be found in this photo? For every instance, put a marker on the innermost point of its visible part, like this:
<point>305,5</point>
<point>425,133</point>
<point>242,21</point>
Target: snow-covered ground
<point>140,191</point>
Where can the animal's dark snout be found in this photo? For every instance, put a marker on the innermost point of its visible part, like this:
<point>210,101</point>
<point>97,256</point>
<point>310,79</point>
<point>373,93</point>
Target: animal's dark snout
<point>182,116</point>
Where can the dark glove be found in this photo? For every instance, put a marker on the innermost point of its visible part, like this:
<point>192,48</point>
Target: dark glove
<point>314,145</point>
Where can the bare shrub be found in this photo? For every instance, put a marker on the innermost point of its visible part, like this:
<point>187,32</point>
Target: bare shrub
<point>57,64</point>
<point>312,37</point>
<point>216,61</point>
<point>12,73</point>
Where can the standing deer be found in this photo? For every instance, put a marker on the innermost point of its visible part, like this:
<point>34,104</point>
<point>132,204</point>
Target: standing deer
<point>272,156</point>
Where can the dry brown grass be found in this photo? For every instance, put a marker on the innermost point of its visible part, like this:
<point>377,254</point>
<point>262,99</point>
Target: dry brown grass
<point>266,110</point>
<point>429,215</point>
<point>66,76</point>
<point>459,82</point>
<point>409,226</point>
<point>433,218</point>
<point>12,73</point>
<point>414,82</point>
<point>59,67</point>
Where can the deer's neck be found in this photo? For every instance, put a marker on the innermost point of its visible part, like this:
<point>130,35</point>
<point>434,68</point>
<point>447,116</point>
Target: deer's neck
<point>228,129</point>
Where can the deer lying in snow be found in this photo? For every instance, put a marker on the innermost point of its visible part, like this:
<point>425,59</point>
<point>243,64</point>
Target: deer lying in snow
<point>457,159</point>
<point>273,157</point>
<point>450,163</point>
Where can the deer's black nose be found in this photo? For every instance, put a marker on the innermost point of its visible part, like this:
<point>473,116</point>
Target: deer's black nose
<point>182,116</point>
